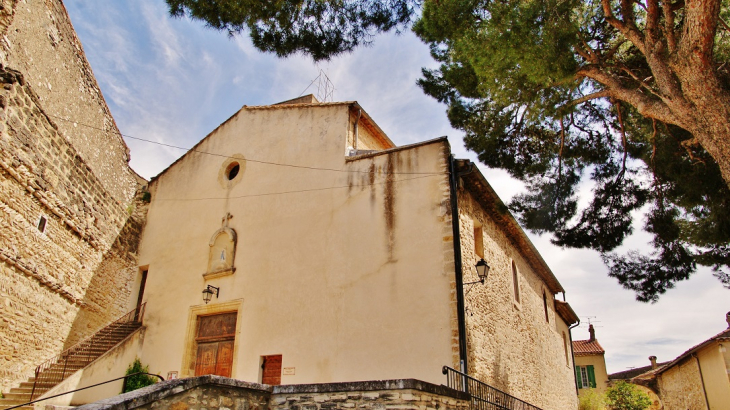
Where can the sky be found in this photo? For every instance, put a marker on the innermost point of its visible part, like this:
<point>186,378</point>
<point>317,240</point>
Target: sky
<point>173,81</point>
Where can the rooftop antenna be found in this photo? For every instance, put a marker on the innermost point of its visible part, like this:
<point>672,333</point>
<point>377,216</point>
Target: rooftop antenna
<point>589,321</point>
<point>325,87</point>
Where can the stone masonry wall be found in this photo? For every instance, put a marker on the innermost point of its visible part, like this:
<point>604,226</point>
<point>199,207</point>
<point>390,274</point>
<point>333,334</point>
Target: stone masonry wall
<point>211,392</point>
<point>61,285</point>
<point>39,41</point>
<point>511,346</point>
<point>681,387</point>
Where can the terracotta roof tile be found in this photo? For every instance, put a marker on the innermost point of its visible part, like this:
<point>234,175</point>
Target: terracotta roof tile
<point>586,347</point>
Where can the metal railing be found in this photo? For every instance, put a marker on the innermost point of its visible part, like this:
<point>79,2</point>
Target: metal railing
<point>483,396</point>
<point>54,370</point>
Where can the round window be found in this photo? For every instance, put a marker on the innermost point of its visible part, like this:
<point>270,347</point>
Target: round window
<point>231,171</point>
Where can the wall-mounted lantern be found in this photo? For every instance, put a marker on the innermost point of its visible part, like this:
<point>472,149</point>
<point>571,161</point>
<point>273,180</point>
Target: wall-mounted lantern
<point>208,293</point>
<point>482,272</point>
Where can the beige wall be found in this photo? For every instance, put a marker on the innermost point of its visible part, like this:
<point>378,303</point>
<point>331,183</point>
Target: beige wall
<point>599,369</point>
<point>511,345</point>
<point>350,281</point>
<point>715,374</point>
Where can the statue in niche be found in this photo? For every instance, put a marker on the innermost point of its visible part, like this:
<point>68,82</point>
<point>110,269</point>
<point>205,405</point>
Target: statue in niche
<point>222,249</point>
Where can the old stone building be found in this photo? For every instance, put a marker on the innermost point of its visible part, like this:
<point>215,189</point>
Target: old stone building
<point>69,222</point>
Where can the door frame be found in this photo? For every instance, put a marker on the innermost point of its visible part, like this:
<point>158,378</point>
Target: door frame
<point>190,351</point>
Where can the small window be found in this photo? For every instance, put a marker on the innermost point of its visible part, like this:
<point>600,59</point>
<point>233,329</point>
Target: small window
<point>544,305</point>
<point>232,170</point>
<point>478,240</point>
<point>565,347</point>
<point>586,377</point>
<point>42,224</point>
<point>515,282</point>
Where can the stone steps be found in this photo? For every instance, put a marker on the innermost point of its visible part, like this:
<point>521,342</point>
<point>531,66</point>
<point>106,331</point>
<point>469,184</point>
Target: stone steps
<point>57,372</point>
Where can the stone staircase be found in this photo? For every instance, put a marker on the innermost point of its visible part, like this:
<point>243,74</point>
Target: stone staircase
<point>57,369</point>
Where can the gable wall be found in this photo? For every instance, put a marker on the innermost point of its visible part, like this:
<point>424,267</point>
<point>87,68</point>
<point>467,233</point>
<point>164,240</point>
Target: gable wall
<point>510,345</point>
<point>347,280</point>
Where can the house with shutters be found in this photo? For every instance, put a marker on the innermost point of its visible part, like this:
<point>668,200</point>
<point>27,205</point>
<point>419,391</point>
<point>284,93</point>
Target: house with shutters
<point>296,244</point>
<point>590,364</point>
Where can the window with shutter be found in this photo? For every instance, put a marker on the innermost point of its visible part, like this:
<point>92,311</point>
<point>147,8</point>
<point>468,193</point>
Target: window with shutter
<point>577,377</point>
<point>591,377</point>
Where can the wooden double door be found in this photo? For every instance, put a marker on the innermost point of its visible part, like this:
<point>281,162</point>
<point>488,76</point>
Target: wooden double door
<point>215,338</point>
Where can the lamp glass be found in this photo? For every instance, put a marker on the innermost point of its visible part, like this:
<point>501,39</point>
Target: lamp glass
<point>207,295</point>
<point>482,269</point>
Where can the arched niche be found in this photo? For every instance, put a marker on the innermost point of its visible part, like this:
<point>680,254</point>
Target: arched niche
<point>222,253</point>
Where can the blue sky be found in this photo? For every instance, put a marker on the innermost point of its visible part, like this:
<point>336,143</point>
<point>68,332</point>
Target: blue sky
<point>173,81</point>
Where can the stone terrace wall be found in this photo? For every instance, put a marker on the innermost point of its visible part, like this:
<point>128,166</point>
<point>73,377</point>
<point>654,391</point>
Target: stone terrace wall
<point>58,286</point>
<point>511,346</point>
<point>377,395</point>
<point>205,392</point>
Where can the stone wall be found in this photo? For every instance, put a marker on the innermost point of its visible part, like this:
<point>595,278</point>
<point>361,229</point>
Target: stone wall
<point>62,284</point>
<point>510,343</point>
<point>680,387</point>
<point>39,41</point>
<point>205,392</point>
<point>376,395</point>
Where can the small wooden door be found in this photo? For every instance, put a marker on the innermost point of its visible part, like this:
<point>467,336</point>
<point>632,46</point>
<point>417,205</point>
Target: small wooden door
<point>215,338</point>
<point>271,374</point>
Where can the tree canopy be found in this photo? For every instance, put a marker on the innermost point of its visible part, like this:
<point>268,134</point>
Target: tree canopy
<point>627,99</point>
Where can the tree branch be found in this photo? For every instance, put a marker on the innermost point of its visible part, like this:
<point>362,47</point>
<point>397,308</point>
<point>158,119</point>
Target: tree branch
<point>646,105</point>
<point>652,21</point>
<point>592,96</point>
<point>630,31</point>
<point>669,33</point>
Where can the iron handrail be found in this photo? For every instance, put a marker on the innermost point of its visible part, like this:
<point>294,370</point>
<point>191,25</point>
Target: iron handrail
<point>81,352</point>
<point>84,388</point>
<point>483,396</point>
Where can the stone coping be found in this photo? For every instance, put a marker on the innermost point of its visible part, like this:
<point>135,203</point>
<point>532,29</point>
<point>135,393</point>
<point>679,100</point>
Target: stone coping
<point>371,385</point>
<point>168,388</point>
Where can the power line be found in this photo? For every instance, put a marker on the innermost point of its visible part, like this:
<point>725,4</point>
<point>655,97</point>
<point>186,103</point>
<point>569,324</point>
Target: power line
<point>290,192</point>
<point>247,159</point>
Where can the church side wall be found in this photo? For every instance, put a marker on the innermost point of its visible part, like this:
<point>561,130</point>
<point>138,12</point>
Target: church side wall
<point>511,346</point>
<point>60,285</point>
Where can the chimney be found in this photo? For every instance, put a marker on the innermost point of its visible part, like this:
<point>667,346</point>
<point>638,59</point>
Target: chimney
<point>592,333</point>
<point>652,359</point>
<point>727,319</point>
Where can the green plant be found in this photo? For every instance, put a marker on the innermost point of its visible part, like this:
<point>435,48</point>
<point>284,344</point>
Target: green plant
<point>590,399</point>
<point>626,396</point>
<point>137,381</point>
